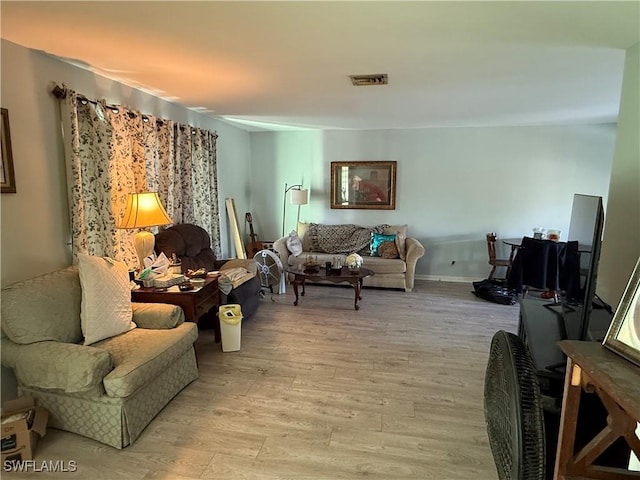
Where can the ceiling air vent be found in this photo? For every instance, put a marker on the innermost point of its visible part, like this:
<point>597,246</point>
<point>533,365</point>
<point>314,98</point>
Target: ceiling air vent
<point>365,80</point>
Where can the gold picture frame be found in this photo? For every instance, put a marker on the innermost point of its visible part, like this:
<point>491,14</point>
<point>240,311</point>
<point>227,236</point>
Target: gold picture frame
<point>367,185</point>
<point>7,176</point>
<point>623,336</point>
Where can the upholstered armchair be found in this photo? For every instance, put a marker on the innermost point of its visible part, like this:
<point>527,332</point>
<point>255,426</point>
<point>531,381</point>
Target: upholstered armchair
<point>191,244</point>
<point>110,389</point>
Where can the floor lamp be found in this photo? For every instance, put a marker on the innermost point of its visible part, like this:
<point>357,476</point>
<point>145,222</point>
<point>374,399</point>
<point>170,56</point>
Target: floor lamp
<point>144,210</point>
<point>299,196</point>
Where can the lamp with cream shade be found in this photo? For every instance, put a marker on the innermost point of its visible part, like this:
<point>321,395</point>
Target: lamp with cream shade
<point>144,210</point>
<point>299,196</point>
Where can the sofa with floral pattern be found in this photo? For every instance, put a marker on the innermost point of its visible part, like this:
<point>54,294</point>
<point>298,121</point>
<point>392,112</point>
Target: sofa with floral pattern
<point>109,390</point>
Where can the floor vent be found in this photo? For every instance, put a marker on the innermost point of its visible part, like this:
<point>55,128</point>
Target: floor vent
<point>365,80</point>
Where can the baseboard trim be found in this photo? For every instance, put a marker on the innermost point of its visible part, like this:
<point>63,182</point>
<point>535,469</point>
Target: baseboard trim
<point>445,278</point>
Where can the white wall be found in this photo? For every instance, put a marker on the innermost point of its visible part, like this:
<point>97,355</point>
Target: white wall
<point>621,244</point>
<point>453,184</point>
<point>35,220</point>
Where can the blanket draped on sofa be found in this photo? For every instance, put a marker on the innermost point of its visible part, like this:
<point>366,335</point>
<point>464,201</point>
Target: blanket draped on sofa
<point>344,239</point>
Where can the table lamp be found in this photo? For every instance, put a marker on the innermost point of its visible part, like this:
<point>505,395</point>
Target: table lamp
<point>144,210</point>
<point>299,196</point>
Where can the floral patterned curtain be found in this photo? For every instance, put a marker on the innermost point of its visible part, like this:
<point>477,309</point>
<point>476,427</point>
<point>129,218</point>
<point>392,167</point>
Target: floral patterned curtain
<point>112,151</point>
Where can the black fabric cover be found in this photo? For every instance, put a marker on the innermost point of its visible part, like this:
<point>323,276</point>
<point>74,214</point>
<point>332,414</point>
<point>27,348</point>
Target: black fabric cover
<point>546,265</point>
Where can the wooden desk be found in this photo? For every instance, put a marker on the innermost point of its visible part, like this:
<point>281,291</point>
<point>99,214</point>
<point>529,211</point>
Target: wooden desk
<point>194,303</point>
<point>616,381</point>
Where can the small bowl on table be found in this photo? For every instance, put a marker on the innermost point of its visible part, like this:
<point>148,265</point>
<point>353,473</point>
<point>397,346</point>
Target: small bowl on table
<point>197,282</point>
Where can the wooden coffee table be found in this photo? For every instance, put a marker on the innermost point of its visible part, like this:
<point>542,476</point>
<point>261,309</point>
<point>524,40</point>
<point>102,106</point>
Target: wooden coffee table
<point>194,303</point>
<point>343,275</point>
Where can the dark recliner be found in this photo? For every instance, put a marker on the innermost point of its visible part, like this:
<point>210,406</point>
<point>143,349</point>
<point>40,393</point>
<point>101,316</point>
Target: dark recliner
<point>192,246</point>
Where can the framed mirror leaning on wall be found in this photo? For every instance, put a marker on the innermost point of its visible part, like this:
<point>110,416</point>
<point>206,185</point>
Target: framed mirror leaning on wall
<point>623,336</point>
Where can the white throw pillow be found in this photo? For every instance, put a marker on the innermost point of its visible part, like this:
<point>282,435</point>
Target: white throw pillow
<point>105,310</point>
<point>294,244</point>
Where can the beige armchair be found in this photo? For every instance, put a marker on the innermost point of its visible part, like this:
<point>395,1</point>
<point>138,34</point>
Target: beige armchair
<point>109,390</point>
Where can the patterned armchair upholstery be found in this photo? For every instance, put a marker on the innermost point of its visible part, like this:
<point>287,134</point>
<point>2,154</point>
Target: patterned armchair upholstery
<point>109,390</point>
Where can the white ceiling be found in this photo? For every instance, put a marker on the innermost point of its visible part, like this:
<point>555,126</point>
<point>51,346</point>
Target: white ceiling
<point>271,64</point>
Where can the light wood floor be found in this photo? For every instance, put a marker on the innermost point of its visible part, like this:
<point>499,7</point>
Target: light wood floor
<point>321,391</point>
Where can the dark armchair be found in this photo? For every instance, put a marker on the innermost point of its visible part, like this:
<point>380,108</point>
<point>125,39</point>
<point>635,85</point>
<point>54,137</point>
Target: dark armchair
<point>192,246</point>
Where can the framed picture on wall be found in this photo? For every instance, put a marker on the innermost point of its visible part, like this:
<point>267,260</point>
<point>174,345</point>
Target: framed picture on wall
<point>370,185</point>
<point>7,178</point>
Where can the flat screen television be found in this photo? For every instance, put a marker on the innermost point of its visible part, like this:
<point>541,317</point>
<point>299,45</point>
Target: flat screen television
<point>586,227</point>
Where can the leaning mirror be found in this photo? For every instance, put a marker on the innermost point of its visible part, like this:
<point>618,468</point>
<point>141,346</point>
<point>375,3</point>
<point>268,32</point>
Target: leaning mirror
<point>623,336</point>
<point>369,185</point>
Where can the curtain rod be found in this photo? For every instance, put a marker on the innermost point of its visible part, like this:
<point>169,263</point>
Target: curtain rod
<point>61,93</point>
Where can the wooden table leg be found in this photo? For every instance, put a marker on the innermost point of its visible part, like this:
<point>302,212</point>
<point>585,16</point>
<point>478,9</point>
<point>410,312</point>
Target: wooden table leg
<point>357,286</point>
<point>296,282</point>
<point>568,419</point>
<point>217,335</point>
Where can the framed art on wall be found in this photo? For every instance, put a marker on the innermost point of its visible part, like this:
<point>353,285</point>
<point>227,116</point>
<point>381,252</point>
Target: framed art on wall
<point>370,185</point>
<point>7,177</point>
<point>623,336</point>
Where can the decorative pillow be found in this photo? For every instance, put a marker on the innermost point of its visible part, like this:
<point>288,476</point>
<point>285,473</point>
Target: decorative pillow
<point>401,240</point>
<point>302,229</point>
<point>294,244</point>
<point>388,250</point>
<point>400,232</point>
<point>377,239</point>
<point>43,308</point>
<point>105,310</point>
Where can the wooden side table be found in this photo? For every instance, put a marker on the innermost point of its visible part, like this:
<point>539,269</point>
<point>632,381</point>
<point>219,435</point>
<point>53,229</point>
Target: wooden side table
<point>194,303</point>
<point>616,381</point>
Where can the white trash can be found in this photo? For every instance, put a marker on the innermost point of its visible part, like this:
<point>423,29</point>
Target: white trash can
<point>230,325</point>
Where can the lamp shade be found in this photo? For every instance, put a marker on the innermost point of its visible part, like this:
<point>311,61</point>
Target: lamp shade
<point>299,197</point>
<point>144,210</point>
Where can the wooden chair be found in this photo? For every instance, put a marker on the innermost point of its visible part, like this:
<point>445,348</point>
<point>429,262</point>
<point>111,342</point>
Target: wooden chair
<point>496,262</point>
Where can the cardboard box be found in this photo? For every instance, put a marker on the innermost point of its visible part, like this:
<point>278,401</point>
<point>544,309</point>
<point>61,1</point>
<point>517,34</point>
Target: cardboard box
<point>23,423</point>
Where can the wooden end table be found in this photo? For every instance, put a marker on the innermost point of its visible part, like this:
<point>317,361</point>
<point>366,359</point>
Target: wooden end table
<point>194,303</point>
<point>616,381</point>
<point>343,275</point>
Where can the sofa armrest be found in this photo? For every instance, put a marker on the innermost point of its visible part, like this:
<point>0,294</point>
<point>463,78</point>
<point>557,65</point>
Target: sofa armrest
<point>55,365</point>
<point>415,251</point>
<point>157,315</point>
<point>280,247</point>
